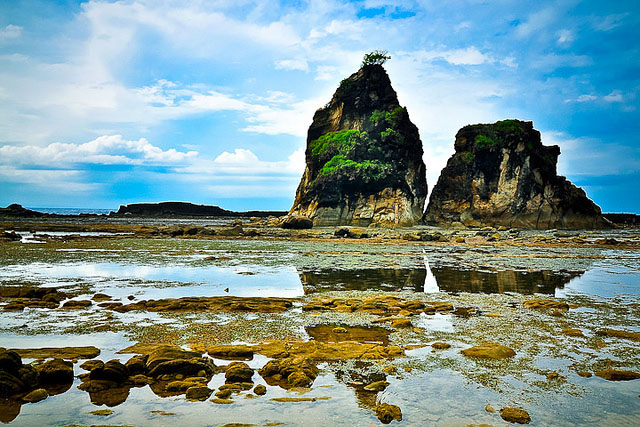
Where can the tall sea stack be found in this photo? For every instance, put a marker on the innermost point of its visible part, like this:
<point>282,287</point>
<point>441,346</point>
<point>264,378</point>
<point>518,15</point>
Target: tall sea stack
<point>501,174</point>
<point>363,157</point>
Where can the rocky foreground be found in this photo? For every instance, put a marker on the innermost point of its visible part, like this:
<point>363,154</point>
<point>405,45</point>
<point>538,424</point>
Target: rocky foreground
<point>230,351</point>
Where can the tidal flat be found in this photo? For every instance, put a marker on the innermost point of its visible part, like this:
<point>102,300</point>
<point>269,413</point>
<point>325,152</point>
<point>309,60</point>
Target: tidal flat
<point>360,317</point>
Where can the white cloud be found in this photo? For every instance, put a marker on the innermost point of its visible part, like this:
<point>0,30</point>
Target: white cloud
<point>614,96</point>
<point>106,150</point>
<point>10,32</point>
<point>582,98</point>
<point>65,181</point>
<point>565,38</point>
<point>610,22</point>
<point>536,23</point>
<point>467,56</point>
<point>245,162</point>
<point>292,64</point>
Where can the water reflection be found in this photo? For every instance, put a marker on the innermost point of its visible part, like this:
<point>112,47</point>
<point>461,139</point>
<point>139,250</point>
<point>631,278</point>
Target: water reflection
<point>437,279</point>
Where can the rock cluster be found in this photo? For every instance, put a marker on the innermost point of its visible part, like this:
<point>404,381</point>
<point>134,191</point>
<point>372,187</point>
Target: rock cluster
<point>501,174</point>
<point>363,158</point>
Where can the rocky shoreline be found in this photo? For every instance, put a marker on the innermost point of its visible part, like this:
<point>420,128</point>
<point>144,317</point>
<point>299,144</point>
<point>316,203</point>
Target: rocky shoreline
<point>369,341</point>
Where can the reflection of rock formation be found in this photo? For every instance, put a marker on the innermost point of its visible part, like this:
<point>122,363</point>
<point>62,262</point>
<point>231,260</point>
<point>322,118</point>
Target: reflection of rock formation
<point>544,282</point>
<point>436,279</point>
<point>380,279</point>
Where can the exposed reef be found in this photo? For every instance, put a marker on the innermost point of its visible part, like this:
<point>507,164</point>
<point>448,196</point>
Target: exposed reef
<point>363,158</point>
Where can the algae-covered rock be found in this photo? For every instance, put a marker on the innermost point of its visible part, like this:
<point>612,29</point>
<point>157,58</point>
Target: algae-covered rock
<point>634,336</point>
<point>489,351</point>
<point>238,372</point>
<point>618,375</point>
<point>296,222</point>
<point>387,413</point>
<point>231,352</point>
<point>377,386</point>
<point>36,395</point>
<point>541,303</point>
<point>198,393</point>
<point>515,415</point>
<point>56,371</point>
<point>363,158</point>
<point>501,174</point>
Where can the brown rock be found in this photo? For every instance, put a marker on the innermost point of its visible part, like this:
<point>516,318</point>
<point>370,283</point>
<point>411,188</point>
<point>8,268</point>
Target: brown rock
<point>377,386</point>
<point>296,222</point>
<point>172,360</point>
<point>238,372</point>
<point>618,375</point>
<point>198,393</point>
<point>489,351</point>
<point>441,345</point>
<point>90,365</point>
<point>634,336</point>
<point>56,371</point>
<point>222,401</point>
<point>585,374</point>
<point>515,415</point>
<point>77,304</point>
<point>573,332</point>
<point>501,174</point>
<point>36,395</point>
<point>260,390</point>
<point>541,303</point>
<point>86,352</point>
<point>387,413</point>
<point>231,352</point>
<point>352,177</point>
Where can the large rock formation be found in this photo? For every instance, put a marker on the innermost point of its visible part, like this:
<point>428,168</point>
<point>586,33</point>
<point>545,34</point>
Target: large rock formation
<point>364,158</point>
<point>501,174</point>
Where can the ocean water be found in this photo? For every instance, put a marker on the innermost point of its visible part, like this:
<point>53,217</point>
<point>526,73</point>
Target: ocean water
<point>73,211</point>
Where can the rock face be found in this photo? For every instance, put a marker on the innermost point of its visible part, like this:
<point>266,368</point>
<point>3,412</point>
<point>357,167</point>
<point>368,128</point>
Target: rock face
<point>364,158</point>
<point>501,174</point>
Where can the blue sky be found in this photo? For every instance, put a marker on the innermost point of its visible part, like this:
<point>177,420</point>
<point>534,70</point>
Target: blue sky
<point>104,103</point>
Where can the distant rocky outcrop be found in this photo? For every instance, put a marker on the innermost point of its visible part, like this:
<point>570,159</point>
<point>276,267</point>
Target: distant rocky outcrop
<point>363,158</point>
<point>501,174</point>
<point>184,209</point>
<point>17,211</point>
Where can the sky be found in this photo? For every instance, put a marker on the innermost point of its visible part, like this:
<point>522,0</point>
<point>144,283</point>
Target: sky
<point>105,103</point>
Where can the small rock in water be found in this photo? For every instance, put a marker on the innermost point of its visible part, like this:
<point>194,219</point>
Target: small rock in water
<point>441,345</point>
<point>377,386</point>
<point>515,415</point>
<point>489,409</point>
<point>260,390</point>
<point>618,375</point>
<point>387,413</point>
<point>489,351</point>
<point>36,395</point>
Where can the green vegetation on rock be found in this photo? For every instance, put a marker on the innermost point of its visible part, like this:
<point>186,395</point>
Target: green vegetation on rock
<point>369,170</point>
<point>497,134</point>
<point>340,142</point>
<point>376,57</point>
